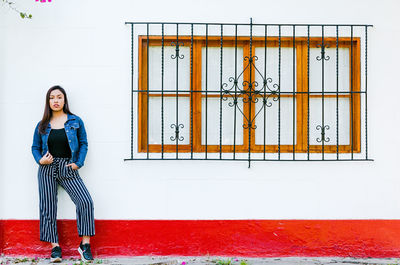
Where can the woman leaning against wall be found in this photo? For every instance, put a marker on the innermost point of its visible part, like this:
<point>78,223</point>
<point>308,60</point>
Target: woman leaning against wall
<point>59,147</point>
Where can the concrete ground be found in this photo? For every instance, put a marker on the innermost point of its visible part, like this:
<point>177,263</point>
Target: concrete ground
<point>208,260</point>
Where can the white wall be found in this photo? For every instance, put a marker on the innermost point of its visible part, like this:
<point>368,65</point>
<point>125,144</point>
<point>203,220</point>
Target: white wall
<point>84,46</point>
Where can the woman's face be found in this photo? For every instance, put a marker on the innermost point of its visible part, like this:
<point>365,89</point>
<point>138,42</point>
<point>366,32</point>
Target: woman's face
<point>56,100</point>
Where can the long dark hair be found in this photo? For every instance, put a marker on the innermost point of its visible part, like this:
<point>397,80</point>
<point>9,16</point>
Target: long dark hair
<point>48,112</point>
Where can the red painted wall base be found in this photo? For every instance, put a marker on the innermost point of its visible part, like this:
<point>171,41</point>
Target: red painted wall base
<point>251,238</point>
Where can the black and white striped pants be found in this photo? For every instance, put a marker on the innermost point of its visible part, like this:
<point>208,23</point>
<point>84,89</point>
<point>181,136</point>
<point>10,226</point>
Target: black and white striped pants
<point>49,176</point>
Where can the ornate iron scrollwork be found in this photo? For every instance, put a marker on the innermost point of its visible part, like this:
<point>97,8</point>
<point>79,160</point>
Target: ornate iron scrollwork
<point>250,95</point>
<point>323,138</point>
<point>176,55</point>
<point>323,56</point>
<point>173,138</point>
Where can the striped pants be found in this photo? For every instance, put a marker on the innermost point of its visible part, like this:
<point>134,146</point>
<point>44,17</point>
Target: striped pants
<point>49,176</point>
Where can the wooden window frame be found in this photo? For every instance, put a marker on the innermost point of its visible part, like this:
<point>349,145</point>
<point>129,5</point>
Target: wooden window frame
<point>301,99</point>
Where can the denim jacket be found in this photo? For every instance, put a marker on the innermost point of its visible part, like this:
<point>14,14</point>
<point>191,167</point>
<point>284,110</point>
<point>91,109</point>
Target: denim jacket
<point>76,134</point>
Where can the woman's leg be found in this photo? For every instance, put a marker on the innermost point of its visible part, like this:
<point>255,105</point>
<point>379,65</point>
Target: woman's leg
<point>85,239</point>
<point>79,194</point>
<point>84,205</point>
<point>48,204</point>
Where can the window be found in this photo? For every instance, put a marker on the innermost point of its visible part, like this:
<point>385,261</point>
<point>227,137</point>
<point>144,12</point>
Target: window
<point>235,94</point>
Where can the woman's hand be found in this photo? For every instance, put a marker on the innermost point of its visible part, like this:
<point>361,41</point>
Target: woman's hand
<point>46,159</point>
<point>73,166</point>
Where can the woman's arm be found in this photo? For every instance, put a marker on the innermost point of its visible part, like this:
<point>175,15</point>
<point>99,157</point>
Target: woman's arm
<point>83,144</point>
<point>37,145</point>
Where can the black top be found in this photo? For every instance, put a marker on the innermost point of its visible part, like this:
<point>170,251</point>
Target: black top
<point>58,143</point>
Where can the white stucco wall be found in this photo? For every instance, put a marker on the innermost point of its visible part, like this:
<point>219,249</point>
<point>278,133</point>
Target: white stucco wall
<point>84,46</point>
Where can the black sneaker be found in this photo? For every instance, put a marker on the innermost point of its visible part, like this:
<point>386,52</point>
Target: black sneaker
<point>86,254</point>
<point>56,254</point>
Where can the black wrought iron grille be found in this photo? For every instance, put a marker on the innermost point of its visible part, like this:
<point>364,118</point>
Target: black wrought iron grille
<point>248,92</point>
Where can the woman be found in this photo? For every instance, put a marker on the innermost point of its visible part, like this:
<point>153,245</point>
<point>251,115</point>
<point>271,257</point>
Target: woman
<point>60,147</point>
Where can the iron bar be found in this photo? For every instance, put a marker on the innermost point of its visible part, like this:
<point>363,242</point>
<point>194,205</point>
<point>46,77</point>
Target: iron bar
<point>235,98</point>
<point>337,92</point>
<point>147,93</point>
<point>220,99</point>
<point>323,99</point>
<point>246,160</point>
<point>132,90</point>
<point>294,85</point>
<point>279,97</point>
<point>177,87</point>
<point>191,88</point>
<point>351,94</point>
<point>206,89</point>
<point>308,92</point>
<point>250,125</point>
<point>366,88</point>
<point>246,24</point>
<point>265,87</point>
<point>260,92</point>
<point>162,90</point>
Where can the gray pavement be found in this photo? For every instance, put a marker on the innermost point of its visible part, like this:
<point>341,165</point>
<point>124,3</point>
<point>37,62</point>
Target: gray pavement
<point>208,260</point>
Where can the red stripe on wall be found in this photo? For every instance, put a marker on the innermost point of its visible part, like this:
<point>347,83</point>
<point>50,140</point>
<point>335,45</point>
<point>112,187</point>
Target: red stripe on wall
<point>1,236</point>
<point>251,238</point>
